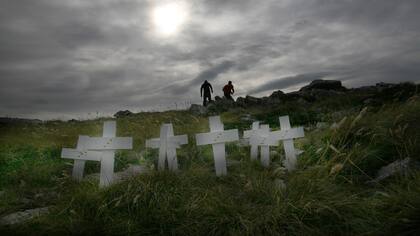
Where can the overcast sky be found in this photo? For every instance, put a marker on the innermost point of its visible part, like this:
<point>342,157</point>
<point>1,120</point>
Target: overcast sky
<point>71,58</point>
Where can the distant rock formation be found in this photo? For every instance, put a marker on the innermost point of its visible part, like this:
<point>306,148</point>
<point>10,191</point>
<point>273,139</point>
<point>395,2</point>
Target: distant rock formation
<point>315,91</point>
<point>8,120</point>
<point>121,114</point>
<point>324,85</point>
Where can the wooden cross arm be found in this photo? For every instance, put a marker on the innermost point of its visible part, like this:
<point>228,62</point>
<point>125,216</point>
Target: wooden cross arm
<point>263,140</point>
<point>173,141</point>
<point>287,134</point>
<point>217,137</point>
<point>109,143</point>
<point>153,143</point>
<point>249,133</point>
<point>69,153</point>
<point>177,140</point>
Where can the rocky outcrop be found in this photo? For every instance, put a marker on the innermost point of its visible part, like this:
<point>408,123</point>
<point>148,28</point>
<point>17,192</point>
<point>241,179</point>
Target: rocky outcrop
<point>23,216</point>
<point>9,120</point>
<point>121,114</point>
<point>198,110</point>
<point>317,90</point>
<point>324,85</point>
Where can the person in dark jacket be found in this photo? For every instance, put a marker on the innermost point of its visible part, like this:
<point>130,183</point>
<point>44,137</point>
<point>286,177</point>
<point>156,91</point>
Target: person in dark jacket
<point>206,86</point>
<point>228,90</point>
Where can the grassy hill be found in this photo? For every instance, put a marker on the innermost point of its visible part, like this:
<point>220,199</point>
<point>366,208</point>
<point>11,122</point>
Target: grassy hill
<point>327,194</point>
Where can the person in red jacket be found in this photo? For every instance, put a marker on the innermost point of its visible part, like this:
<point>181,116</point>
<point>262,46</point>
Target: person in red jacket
<point>228,90</point>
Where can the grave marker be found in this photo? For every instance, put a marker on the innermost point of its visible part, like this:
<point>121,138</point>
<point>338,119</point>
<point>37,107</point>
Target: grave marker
<point>98,149</point>
<point>287,134</point>
<point>217,137</point>
<point>260,136</point>
<point>167,144</point>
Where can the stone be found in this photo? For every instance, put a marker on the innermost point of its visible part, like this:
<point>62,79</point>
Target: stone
<point>396,167</point>
<point>321,125</point>
<point>247,118</point>
<point>131,171</point>
<point>240,101</point>
<point>121,114</point>
<point>23,216</point>
<point>198,110</point>
<point>324,85</point>
<point>252,101</point>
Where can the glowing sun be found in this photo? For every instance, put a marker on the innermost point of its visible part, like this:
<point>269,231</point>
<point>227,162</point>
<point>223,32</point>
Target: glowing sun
<point>169,18</point>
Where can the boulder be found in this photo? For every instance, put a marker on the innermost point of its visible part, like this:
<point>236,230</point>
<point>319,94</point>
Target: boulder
<point>324,85</point>
<point>396,167</point>
<point>217,98</point>
<point>198,110</point>
<point>252,101</point>
<point>131,171</point>
<point>240,101</point>
<point>23,216</point>
<point>121,114</point>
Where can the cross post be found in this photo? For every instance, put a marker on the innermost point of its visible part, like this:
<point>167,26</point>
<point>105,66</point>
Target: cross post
<point>217,138</point>
<point>167,144</point>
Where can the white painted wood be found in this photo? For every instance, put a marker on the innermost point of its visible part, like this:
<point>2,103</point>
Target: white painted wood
<point>249,134</point>
<point>89,148</point>
<point>287,136</point>
<point>167,144</point>
<point>260,136</point>
<point>109,143</point>
<point>265,145</point>
<point>81,155</point>
<point>79,165</point>
<point>108,156</point>
<point>290,133</point>
<point>217,138</point>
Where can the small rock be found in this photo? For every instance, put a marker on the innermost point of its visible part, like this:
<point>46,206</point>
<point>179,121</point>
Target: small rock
<point>23,216</point>
<point>396,167</point>
<point>131,171</point>
<point>247,118</point>
<point>123,114</point>
<point>321,125</point>
<point>198,109</point>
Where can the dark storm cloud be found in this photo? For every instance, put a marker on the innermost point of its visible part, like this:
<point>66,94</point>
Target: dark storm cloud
<point>73,56</point>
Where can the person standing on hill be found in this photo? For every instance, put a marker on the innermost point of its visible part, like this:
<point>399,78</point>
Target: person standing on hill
<point>206,86</point>
<point>228,90</point>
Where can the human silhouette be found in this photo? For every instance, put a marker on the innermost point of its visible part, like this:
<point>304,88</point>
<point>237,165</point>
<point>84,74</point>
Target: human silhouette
<point>206,86</point>
<point>228,90</point>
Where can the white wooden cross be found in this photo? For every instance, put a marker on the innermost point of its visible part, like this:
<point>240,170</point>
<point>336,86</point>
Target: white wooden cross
<point>250,134</point>
<point>287,134</point>
<point>167,144</point>
<point>98,149</point>
<point>217,138</point>
<point>260,136</point>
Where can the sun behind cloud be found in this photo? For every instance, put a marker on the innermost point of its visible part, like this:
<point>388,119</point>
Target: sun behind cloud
<point>168,18</point>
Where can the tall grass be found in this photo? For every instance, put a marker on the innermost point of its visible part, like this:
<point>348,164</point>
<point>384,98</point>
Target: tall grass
<point>326,195</point>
